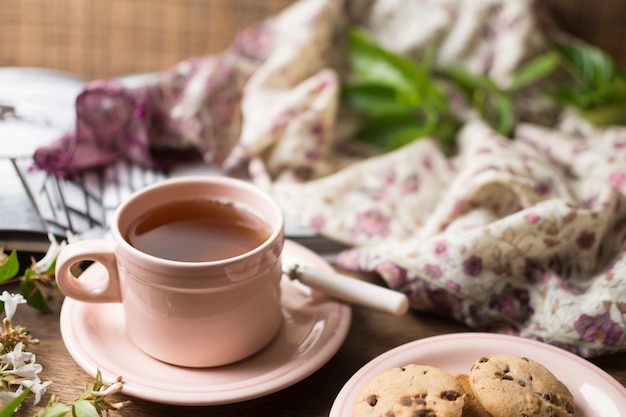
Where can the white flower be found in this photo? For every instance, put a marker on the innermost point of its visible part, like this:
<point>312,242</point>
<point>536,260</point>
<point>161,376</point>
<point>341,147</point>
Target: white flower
<point>18,357</point>
<point>11,301</point>
<point>36,387</point>
<point>111,389</point>
<point>29,371</point>
<point>53,250</point>
<point>24,365</point>
<point>7,396</point>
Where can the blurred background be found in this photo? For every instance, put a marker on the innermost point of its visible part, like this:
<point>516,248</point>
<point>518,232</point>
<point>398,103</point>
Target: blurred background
<point>109,38</point>
<point>103,39</point>
<point>95,39</point>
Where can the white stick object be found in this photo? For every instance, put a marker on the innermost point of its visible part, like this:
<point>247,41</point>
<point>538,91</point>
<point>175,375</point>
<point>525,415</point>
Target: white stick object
<point>351,290</point>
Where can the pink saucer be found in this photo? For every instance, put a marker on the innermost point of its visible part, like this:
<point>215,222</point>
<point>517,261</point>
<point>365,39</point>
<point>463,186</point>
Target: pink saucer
<point>314,328</point>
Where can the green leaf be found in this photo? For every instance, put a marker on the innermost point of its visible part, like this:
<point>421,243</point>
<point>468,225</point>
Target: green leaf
<point>469,81</point>
<point>599,94</point>
<point>399,100</point>
<point>390,137</point>
<point>52,267</point>
<point>389,132</point>
<point>392,133</point>
<point>33,295</point>
<point>494,105</point>
<point>56,410</point>
<point>589,64</point>
<point>373,99</point>
<point>84,408</point>
<point>536,69</point>
<point>502,115</point>
<point>372,88</point>
<point>10,268</point>
<point>606,115</point>
<point>13,405</point>
<point>571,96</point>
<point>370,62</point>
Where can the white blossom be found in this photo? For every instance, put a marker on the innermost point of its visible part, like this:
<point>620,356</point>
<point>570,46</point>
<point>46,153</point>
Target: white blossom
<point>11,301</point>
<point>36,387</point>
<point>18,357</point>
<point>30,371</point>
<point>26,371</point>
<point>111,389</point>
<point>53,250</point>
<point>8,396</point>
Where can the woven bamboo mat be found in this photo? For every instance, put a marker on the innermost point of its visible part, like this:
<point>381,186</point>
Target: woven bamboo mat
<point>107,38</point>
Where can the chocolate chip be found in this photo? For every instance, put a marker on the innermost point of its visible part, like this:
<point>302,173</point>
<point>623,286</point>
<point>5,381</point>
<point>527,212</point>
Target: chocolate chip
<point>507,378</point>
<point>483,359</point>
<point>450,395</point>
<point>406,401</point>
<point>424,413</point>
<point>521,382</point>
<point>569,408</point>
<point>525,359</point>
<point>371,400</point>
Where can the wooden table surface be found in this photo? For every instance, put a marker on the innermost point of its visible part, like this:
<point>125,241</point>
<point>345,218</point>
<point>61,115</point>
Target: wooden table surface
<point>371,334</point>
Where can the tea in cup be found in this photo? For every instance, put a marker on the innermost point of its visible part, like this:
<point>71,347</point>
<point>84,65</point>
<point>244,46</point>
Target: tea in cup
<point>195,263</point>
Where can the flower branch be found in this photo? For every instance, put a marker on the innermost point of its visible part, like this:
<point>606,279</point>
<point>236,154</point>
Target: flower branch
<point>19,371</point>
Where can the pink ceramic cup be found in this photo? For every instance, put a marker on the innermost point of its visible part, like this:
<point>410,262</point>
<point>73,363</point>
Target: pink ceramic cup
<point>195,314</point>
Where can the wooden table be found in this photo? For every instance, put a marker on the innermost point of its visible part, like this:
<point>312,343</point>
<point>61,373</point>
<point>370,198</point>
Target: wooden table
<point>371,334</point>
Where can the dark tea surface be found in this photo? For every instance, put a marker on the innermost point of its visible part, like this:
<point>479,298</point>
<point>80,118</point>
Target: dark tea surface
<point>197,230</point>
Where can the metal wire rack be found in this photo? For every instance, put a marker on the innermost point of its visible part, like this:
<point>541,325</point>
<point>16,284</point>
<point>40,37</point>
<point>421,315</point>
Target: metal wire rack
<point>84,204</point>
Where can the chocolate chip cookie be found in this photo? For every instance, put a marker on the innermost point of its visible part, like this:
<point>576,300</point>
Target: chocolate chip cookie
<point>471,408</point>
<point>411,391</point>
<point>508,385</point>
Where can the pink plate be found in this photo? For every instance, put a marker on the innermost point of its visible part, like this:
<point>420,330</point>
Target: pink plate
<point>314,328</point>
<point>595,392</point>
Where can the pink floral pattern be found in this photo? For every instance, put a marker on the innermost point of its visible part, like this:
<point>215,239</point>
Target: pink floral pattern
<point>501,254</point>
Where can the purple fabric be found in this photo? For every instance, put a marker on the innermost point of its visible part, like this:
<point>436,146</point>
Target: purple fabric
<point>193,107</point>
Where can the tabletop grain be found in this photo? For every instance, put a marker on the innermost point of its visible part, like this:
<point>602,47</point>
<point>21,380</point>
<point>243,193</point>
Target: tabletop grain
<point>371,334</point>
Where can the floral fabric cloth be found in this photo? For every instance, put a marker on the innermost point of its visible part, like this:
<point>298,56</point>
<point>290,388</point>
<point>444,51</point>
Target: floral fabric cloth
<point>522,235</point>
<point>506,237</point>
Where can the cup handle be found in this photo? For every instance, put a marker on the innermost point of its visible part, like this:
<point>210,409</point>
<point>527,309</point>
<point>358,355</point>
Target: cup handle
<point>89,287</point>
